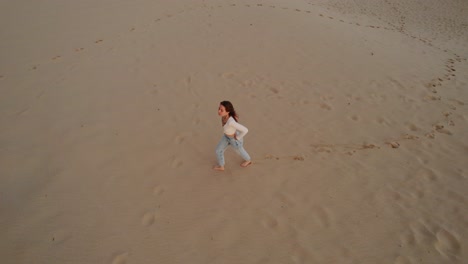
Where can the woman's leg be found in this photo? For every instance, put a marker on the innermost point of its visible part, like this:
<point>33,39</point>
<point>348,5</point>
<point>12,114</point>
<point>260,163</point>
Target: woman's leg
<point>222,145</point>
<point>238,146</point>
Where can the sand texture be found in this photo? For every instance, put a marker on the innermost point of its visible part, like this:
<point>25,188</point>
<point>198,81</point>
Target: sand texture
<point>358,130</point>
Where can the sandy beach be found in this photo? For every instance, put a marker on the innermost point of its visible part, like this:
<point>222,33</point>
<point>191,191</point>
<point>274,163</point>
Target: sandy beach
<point>357,114</point>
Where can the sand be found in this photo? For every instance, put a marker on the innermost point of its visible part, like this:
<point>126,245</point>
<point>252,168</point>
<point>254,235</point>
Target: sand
<point>357,115</point>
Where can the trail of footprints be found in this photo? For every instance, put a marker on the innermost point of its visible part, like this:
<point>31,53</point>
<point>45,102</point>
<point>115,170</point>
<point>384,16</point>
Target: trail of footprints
<point>279,222</point>
<point>442,127</point>
<point>258,5</point>
<point>204,6</point>
<point>148,219</point>
<point>442,241</point>
<point>450,70</point>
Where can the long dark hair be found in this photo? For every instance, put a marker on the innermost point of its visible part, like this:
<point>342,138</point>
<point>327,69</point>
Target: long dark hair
<point>230,108</point>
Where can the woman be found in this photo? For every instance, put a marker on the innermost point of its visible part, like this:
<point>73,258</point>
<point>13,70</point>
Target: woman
<point>233,135</point>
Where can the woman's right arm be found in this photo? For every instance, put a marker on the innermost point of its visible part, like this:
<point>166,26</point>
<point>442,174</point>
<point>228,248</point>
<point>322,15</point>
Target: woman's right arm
<point>242,129</point>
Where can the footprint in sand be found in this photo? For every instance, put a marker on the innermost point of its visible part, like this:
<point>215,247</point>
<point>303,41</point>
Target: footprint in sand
<point>413,127</point>
<point>325,106</point>
<point>120,258</point>
<point>430,135</point>
<point>269,156</point>
<point>369,146</point>
<point>274,90</point>
<point>79,49</point>
<point>176,163</point>
<point>148,218</point>
<point>98,41</point>
<point>443,241</point>
<point>411,137</point>
<point>158,190</point>
<point>393,144</point>
<point>323,148</point>
<point>447,244</point>
<point>432,98</point>
<point>322,216</point>
<point>196,120</point>
<point>179,139</point>
<point>383,121</point>
<point>56,57</point>
<point>298,157</point>
<point>448,119</point>
<point>452,107</point>
<point>442,129</point>
<point>460,103</point>
<point>269,222</point>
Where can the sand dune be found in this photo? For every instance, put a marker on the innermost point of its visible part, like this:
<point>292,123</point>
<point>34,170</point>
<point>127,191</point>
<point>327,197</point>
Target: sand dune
<point>357,116</point>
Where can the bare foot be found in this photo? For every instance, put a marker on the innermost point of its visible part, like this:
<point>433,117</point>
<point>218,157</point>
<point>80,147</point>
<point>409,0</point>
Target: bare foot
<point>218,168</point>
<point>246,163</point>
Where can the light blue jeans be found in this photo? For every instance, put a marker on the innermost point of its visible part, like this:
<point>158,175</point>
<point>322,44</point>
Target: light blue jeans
<point>238,146</point>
